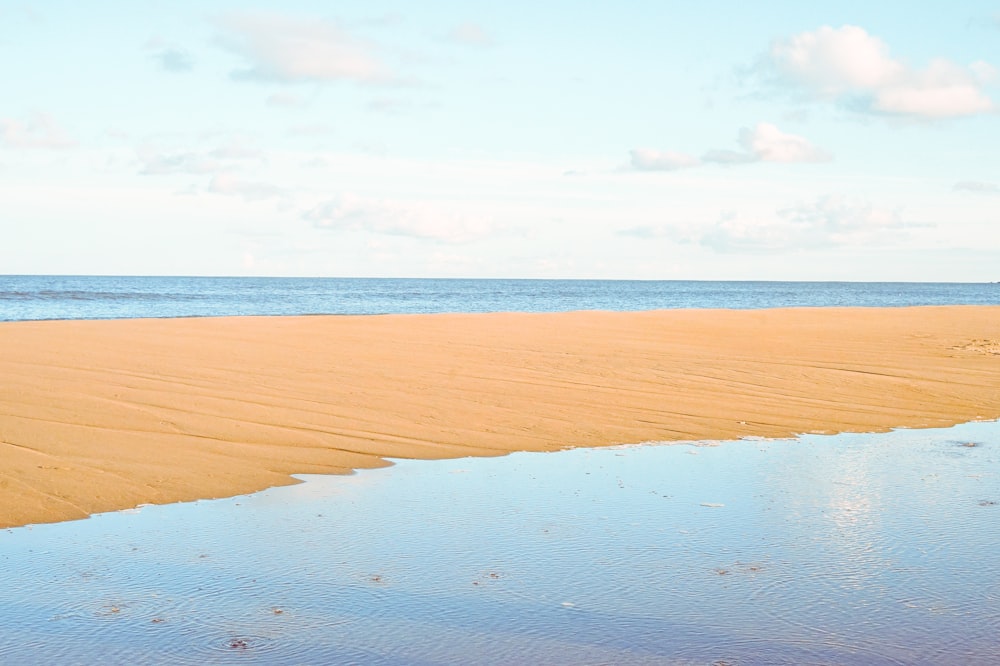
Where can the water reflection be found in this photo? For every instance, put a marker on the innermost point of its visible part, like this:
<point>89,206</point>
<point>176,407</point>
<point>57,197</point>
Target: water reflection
<point>854,549</point>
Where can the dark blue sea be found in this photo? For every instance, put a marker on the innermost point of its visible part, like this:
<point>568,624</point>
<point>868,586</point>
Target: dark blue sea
<point>92,297</point>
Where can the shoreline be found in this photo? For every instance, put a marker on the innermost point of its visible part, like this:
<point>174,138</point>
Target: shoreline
<point>104,414</point>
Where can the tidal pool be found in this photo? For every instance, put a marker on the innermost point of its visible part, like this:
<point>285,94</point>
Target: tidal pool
<point>846,549</point>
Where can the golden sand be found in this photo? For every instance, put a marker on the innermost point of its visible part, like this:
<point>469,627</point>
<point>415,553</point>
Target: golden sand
<point>104,415</point>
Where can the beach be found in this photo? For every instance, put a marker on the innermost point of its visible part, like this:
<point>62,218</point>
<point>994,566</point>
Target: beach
<point>104,415</point>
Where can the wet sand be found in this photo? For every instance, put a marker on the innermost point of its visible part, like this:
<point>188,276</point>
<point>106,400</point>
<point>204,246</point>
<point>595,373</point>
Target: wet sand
<point>103,415</point>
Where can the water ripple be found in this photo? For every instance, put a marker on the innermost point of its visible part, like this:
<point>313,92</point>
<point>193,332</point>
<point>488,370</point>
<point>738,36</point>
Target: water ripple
<point>855,549</point>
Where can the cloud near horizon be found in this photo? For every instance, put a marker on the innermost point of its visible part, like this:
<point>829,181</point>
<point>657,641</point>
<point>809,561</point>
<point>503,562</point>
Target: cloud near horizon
<point>228,184</point>
<point>854,68</point>
<point>285,49</point>
<point>827,222</point>
<point>410,219</point>
<point>37,131</point>
<point>977,187</point>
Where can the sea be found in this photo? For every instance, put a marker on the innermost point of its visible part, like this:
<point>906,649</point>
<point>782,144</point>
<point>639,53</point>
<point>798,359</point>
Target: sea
<point>850,549</point>
<point>29,297</point>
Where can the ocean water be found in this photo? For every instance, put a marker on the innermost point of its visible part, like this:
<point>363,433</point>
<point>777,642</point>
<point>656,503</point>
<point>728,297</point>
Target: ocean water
<point>850,549</point>
<point>69,297</point>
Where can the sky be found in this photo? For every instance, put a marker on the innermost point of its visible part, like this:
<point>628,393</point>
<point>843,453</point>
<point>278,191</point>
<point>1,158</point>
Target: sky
<point>564,139</point>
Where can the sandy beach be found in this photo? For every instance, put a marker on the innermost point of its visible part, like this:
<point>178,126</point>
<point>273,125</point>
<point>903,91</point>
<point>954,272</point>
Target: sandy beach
<point>104,415</point>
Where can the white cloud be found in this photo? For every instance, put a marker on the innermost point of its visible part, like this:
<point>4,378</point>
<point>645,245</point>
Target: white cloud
<point>850,66</point>
<point>286,49</point>
<point>236,148</point>
<point>412,219</point>
<point>977,187</point>
<point>228,184</point>
<point>766,143</point>
<point>763,143</point>
<point>285,99</point>
<point>470,34</point>
<point>38,131</point>
<point>647,159</point>
<point>769,144</point>
<point>837,61</point>
<point>941,91</point>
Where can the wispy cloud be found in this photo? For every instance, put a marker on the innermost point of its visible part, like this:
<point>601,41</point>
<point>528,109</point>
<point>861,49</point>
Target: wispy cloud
<point>729,157</point>
<point>155,163</point>
<point>280,48</point>
<point>849,66</point>
<point>469,34</point>
<point>229,184</point>
<point>316,129</point>
<point>38,130</point>
<point>977,187</point>
<point>388,105</point>
<point>648,159</point>
<point>411,219</point>
<point>226,157</point>
<point>174,60</point>
<point>827,222</point>
<point>648,232</point>
<point>285,100</point>
<point>236,148</point>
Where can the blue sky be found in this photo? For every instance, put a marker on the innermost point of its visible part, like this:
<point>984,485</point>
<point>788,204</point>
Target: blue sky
<point>652,140</point>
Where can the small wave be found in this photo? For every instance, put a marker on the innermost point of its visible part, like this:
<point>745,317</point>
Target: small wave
<point>84,295</point>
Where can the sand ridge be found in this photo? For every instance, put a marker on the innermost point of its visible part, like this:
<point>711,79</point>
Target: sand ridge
<point>104,415</point>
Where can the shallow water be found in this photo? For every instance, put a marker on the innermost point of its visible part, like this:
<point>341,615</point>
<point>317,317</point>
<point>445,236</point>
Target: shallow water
<point>850,549</point>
